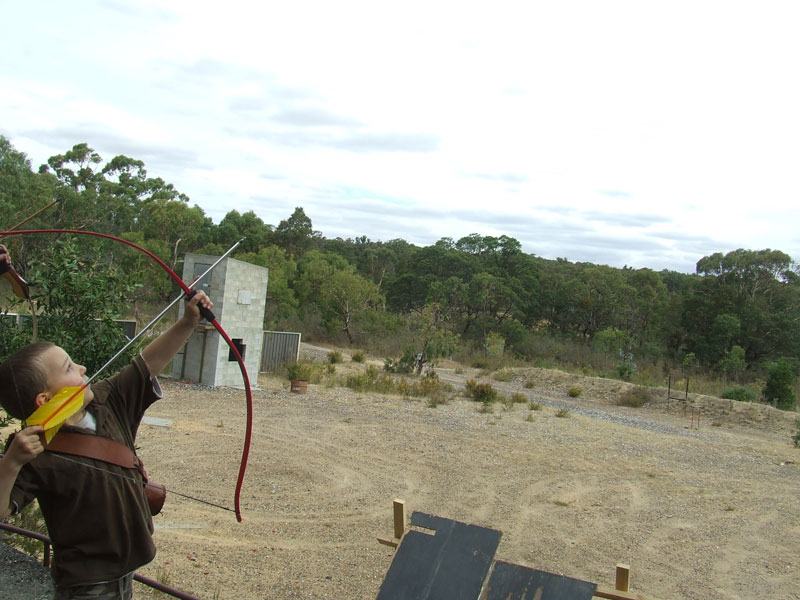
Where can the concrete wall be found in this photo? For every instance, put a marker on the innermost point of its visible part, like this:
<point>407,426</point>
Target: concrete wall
<point>239,293</point>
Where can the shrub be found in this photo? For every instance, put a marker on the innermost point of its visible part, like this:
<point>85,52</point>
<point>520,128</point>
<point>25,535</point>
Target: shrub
<point>529,384</point>
<point>517,398</point>
<point>334,356</point>
<point>796,436</point>
<point>480,392</point>
<point>562,413</point>
<point>358,356</point>
<point>535,406</point>
<point>634,397</point>
<point>503,375</point>
<point>405,364</point>
<point>300,371</point>
<point>738,392</point>
<point>778,389</point>
<point>574,392</point>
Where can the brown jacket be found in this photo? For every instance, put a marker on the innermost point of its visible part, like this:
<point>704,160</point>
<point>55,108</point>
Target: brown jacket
<point>99,523</point>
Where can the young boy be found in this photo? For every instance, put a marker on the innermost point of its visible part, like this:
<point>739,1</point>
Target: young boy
<point>96,513</point>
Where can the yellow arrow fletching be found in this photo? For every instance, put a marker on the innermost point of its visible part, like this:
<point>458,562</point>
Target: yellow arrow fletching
<point>52,414</point>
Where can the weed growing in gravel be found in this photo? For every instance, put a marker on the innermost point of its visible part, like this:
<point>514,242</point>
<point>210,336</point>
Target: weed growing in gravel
<point>518,398</point>
<point>574,392</point>
<point>358,356</point>
<point>534,406</point>
<point>334,356</point>
<point>562,413</point>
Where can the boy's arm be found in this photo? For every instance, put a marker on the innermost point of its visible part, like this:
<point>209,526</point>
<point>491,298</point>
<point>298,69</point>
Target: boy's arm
<point>158,353</point>
<point>25,446</point>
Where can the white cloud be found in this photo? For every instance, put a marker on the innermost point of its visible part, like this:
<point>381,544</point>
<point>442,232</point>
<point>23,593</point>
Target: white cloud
<point>660,132</point>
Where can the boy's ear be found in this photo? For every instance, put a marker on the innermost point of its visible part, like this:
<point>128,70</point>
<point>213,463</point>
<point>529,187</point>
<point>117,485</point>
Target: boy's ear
<point>41,398</point>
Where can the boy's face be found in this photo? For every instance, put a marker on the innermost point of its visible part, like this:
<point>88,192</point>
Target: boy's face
<point>62,372</point>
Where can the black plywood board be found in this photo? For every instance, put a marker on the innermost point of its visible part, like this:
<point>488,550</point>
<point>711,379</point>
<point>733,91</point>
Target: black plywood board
<point>451,564</point>
<point>515,582</point>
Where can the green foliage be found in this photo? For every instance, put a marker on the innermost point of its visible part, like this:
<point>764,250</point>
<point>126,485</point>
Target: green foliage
<point>495,345</point>
<point>562,413</point>
<point>733,364</point>
<point>574,392</point>
<point>480,392</point>
<point>796,436</point>
<point>30,518</point>
<point>301,371</point>
<point>405,364</point>
<point>517,398</point>
<point>611,340</point>
<point>358,356</point>
<point>334,357</point>
<point>778,388</point>
<point>626,365</point>
<point>738,392</point>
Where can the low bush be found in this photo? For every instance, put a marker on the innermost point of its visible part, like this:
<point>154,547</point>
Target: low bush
<point>738,392</point>
<point>634,397</point>
<point>503,375</point>
<point>358,356</point>
<point>301,371</point>
<point>480,392</point>
<point>334,356</point>
<point>574,392</point>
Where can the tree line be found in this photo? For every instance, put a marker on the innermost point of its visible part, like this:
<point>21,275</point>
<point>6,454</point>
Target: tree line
<point>737,315</point>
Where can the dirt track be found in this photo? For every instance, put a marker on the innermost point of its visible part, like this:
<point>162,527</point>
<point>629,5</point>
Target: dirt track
<point>709,513</point>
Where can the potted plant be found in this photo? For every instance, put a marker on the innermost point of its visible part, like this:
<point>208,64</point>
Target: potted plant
<point>299,373</point>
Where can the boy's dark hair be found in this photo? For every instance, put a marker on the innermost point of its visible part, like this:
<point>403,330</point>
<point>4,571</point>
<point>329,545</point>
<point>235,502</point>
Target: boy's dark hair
<point>22,377</point>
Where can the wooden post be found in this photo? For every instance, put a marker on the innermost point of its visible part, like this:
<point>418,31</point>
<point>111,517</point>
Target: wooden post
<point>399,518</point>
<point>623,577</point>
<point>399,511</point>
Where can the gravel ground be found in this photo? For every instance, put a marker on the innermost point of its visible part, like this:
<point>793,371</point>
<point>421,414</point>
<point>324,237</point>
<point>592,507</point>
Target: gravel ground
<point>22,577</point>
<point>707,513</point>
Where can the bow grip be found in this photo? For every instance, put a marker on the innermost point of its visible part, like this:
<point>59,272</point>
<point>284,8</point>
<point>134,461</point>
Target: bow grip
<point>204,312</point>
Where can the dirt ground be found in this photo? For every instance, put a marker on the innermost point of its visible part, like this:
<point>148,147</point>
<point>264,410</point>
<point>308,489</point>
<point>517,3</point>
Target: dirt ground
<point>706,511</point>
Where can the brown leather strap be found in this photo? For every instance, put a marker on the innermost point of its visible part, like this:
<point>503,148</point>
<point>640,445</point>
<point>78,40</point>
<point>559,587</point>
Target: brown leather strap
<point>92,446</point>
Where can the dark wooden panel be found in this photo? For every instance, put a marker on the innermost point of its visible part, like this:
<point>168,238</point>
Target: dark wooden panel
<point>515,582</point>
<point>451,564</point>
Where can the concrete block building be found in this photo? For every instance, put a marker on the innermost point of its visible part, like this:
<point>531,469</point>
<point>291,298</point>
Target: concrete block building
<point>239,293</point>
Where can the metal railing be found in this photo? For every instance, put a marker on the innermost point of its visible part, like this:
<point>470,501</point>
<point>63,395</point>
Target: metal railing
<point>175,593</point>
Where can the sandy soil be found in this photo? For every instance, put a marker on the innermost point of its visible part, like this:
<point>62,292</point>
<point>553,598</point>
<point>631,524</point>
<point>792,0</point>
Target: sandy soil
<point>707,512</point>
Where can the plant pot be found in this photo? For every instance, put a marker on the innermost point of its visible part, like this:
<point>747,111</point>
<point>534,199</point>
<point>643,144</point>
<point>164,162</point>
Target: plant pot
<point>298,386</point>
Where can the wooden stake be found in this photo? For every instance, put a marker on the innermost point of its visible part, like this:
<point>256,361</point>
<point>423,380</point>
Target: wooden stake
<point>623,580</point>
<point>399,518</point>
<point>399,525</point>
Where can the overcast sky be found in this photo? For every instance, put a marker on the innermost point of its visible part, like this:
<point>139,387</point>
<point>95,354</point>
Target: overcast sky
<point>642,133</point>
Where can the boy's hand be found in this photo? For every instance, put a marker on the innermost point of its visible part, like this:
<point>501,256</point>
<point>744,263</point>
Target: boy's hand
<point>4,256</point>
<point>26,445</point>
<point>193,304</point>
